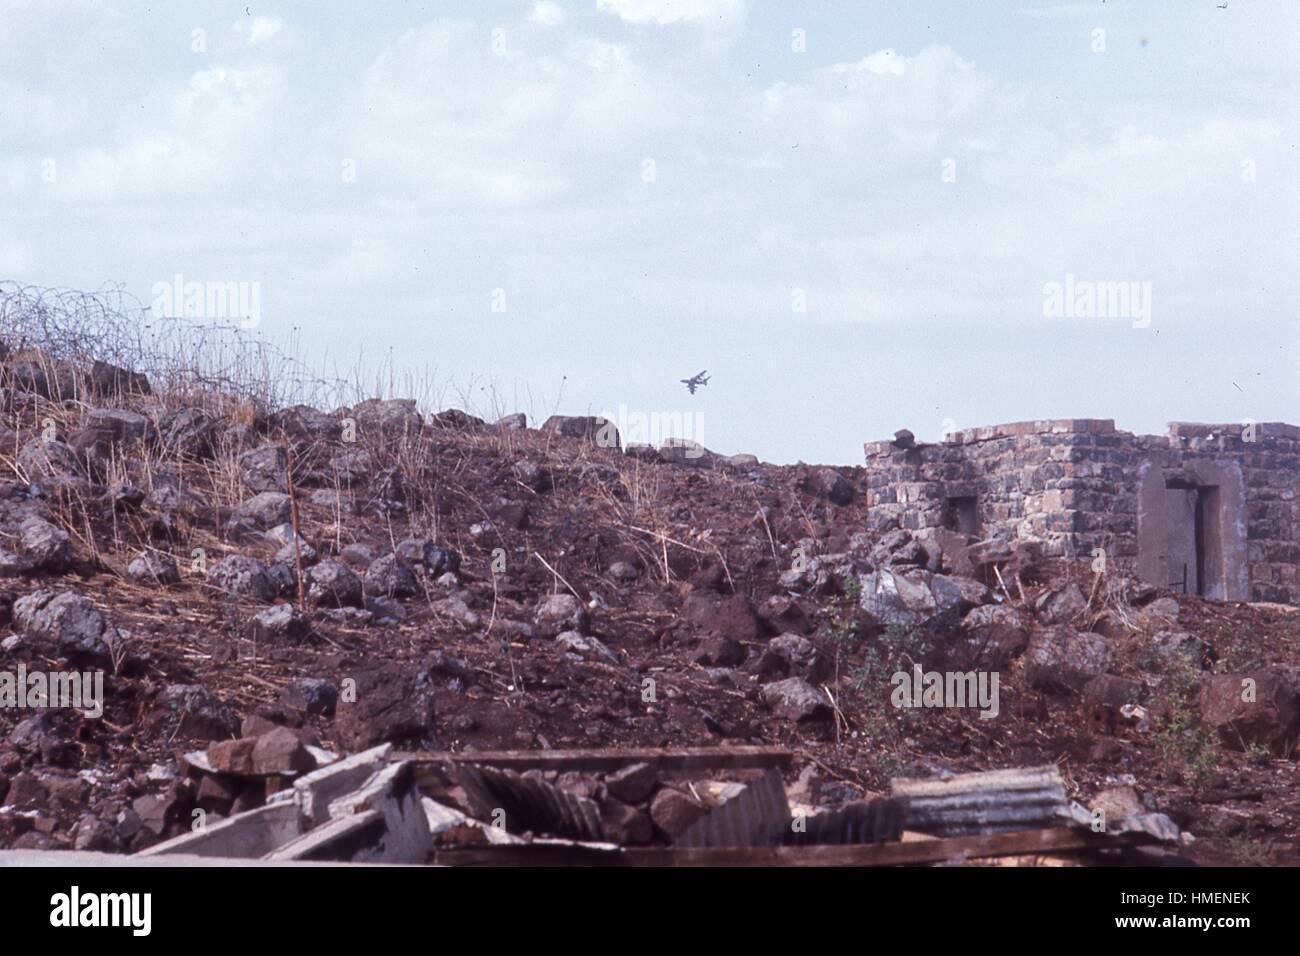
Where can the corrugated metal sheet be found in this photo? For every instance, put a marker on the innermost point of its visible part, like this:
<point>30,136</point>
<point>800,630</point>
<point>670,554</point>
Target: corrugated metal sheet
<point>867,821</point>
<point>530,805</point>
<point>995,801</point>
<point>757,816</point>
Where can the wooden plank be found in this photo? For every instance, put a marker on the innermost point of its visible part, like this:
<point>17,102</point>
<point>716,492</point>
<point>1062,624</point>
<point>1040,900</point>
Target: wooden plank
<point>601,760</point>
<point>1020,843</point>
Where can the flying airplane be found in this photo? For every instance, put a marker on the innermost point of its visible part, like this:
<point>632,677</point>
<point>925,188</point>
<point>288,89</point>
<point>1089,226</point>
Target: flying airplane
<point>696,380</point>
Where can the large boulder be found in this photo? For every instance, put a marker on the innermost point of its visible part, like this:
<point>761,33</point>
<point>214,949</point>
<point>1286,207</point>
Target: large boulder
<point>733,617</point>
<point>333,584</point>
<point>111,381</point>
<point>243,576</point>
<point>1059,658</point>
<point>188,433</point>
<point>829,484</point>
<point>49,460</point>
<point>304,423</point>
<point>263,469</point>
<point>71,623</point>
<point>388,703</point>
<point>560,613</point>
<point>889,598</point>
<point>796,700</point>
<point>121,424</point>
<point>391,576</point>
<point>154,568</point>
<point>190,712</point>
<point>265,510</point>
<point>389,419</point>
<point>1259,708</point>
<point>590,428</point>
<point>47,548</point>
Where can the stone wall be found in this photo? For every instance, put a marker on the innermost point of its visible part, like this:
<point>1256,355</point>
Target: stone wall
<point>1217,506</point>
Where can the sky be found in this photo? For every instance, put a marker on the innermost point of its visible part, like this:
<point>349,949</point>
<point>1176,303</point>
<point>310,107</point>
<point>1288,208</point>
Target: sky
<point>857,216</point>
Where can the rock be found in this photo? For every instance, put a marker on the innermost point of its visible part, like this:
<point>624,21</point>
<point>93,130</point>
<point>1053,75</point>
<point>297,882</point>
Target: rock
<point>350,467</point>
<point>797,700</point>
<point>281,752</point>
<point>890,598</point>
<point>1062,605</point>
<point>94,835</point>
<point>391,419</point>
<point>454,419</point>
<point>156,812</point>
<point>49,461</point>
<point>394,704</point>
<point>280,621</point>
<point>829,484</point>
<point>455,608</point>
<point>719,650</point>
<point>624,572</point>
<point>119,423</point>
<point>599,431</point>
<point>243,576</point>
<point>673,812</point>
<point>333,584</point>
<point>587,648</point>
<point>263,469</point>
<point>957,595</point>
<point>192,712</point>
<point>992,635</point>
<point>529,473</point>
<point>1117,804</point>
<point>1160,613</point>
<point>47,548</point>
<point>264,510</point>
<point>792,655</point>
<point>1113,692</point>
<point>391,576</point>
<point>357,556</point>
<point>74,625</point>
<point>625,825</point>
<point>312,695</point>
<point>632,783</point>
<point>1258,707</point>
<point>1063,659</point>
<point>733,617</point>
<point>435,559</point>
<point>232,756</point>
<point>903,438</point>
<point>111,381</point>
<point>188,433</point>
<point>307,424</point>
<point>1174,647</point>
<point>154,568</point>
<point>559,613</point>
<point>517,421</point>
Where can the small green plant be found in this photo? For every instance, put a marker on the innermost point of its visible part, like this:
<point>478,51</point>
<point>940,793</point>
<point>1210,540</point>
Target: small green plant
<point>1258,755</point>
<point>1183,742</point>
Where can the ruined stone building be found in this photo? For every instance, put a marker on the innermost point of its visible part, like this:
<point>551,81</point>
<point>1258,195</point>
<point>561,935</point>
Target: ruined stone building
<point>1212,510</point>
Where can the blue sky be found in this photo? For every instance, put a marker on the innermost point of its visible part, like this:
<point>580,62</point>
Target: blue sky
<point>651,188</point>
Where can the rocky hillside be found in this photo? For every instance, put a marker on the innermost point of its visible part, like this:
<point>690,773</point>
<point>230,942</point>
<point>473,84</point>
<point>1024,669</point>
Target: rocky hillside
<point>371,573</point>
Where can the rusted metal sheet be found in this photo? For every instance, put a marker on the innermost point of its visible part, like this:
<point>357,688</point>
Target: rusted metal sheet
<point>757,816</point>
<point>529,805</point>
<point>996,801</point>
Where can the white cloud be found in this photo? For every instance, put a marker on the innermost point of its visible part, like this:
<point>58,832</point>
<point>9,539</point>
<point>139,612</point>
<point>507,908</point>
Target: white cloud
<point>263,29</point>
<point>546,13</point>
<point>672,11</point>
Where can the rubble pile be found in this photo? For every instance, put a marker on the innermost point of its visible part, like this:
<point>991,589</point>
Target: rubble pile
<point>269,592</point>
